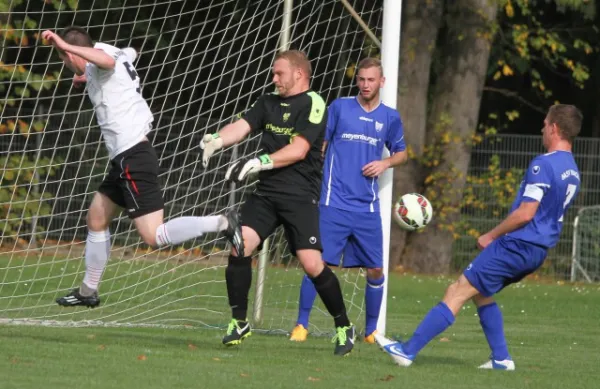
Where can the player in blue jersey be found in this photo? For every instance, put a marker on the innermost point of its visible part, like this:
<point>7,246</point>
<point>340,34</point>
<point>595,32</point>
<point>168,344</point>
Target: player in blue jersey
<point>350,223</point>
<point>513,249</point>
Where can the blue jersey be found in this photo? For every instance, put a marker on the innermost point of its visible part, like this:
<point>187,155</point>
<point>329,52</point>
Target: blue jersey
<point>553,180</point>
<point>356,137</point>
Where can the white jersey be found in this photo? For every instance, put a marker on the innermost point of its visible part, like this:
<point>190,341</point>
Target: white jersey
<point>122,113</point>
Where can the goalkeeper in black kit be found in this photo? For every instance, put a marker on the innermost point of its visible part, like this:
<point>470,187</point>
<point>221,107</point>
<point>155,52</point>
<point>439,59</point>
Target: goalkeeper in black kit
<point>293,123</point>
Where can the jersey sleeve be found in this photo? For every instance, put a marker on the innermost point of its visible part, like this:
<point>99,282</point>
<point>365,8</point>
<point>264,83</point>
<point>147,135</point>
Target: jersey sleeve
<point>130,53</point>
<point>105,74</point>
<point>255,114</point>
<point>395,136</point>
<point>332,119</point>
<point>312,119</point>
<point>538,180</point>
<point>108,49</point>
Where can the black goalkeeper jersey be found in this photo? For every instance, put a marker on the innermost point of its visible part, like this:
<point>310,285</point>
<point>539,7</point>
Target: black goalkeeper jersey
<point>280,120</point>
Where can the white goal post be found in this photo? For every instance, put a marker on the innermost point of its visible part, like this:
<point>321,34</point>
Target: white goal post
<point>200,64</point>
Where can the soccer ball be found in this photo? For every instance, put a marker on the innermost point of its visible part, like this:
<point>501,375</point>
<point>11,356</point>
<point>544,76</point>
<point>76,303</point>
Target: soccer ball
<point>412,211</point>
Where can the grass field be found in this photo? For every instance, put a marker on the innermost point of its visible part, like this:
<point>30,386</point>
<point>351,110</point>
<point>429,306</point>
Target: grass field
<point>553,333</point>
<point>163,291</point>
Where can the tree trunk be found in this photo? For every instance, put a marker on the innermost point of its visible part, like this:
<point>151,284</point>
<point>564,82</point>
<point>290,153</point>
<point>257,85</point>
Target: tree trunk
<point>457,95</point>
<point>420,25</point>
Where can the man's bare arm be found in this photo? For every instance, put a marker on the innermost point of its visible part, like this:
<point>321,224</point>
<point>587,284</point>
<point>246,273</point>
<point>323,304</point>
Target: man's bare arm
<point>292,153</point>
<point>95,56</point>
<point>234,132</point>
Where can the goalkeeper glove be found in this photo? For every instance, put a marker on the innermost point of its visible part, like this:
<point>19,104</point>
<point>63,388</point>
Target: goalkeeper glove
<point>241,169</point>
<point>210,143</point>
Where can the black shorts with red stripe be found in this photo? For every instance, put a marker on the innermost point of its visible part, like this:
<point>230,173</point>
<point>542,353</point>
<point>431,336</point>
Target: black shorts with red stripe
<point>132,182</point>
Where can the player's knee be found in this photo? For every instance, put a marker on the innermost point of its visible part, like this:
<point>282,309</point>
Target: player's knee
<point>251,241</point>
<point>314,268</point>
<point>452,290</point>
<point>248,250</point>
<point>480,300</point>
<point>459,289</point>
<point>311,261</point>
<point>150,240</point>
<point>96,220</point>
<point>149,235</point>
<point>458,293</point>
<point>375,273</point>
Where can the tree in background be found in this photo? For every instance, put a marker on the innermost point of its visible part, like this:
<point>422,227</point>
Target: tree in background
<point>467,69</point>
<point>453,54</point>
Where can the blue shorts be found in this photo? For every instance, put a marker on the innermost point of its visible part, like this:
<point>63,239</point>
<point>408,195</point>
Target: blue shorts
<point>505,261</point>
<point>356,235</point>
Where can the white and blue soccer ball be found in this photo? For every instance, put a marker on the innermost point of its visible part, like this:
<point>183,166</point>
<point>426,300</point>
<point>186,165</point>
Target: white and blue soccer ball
<point>412,211</point>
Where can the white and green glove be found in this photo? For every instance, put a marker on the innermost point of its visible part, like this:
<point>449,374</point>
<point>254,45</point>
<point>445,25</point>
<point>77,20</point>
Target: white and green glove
<point>239,170</point>
<point>210,143</point>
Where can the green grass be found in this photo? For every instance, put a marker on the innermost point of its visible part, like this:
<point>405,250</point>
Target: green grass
<point>552,331</point>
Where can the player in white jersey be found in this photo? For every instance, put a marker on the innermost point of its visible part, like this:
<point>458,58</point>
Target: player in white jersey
<point>124,118</point>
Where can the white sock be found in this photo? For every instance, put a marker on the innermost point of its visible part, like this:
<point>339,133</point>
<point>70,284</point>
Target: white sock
<point>185,228</point>
<point>97,249</point>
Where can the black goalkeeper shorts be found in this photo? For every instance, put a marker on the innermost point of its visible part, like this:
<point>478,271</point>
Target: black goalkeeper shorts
<point>300,220</point>
<point>132,181</point>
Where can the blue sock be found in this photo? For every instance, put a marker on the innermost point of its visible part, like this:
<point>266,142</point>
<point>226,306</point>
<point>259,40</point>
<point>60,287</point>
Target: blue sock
<point>437,321</point>
<point>308,294</point>
<point>373,297</point>
<point>492,323</point>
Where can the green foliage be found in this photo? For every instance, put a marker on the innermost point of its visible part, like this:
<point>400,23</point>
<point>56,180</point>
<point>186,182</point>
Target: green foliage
<point>8,5</point>
<point>64,5</point>
<point>532,45</point>
<point>18,81</point>
<point>20,198</point>
<point>488,193</point>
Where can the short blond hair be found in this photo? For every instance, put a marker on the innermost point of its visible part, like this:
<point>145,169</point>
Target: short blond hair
<point>369,62</point>
<point>298,59</point>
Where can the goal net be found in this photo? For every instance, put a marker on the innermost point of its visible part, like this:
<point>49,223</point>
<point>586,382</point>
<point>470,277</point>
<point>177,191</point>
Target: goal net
<point>585,264</point>
<point>200,63</point>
